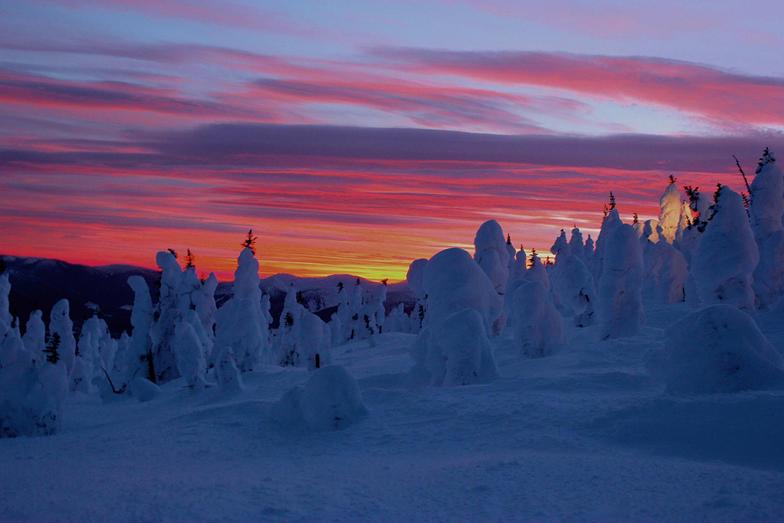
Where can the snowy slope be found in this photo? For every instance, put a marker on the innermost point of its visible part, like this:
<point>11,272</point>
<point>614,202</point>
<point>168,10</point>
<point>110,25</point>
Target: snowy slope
<point>583,435</point>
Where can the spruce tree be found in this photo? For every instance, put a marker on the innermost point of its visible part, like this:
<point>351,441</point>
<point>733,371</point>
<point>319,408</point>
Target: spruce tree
<point>190,260</point>
<point>767,157</point>
<point>52,348</point>
<point>250,241</point>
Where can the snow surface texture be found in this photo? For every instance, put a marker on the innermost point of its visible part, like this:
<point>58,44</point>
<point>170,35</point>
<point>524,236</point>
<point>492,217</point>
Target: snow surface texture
<point>582,435</point>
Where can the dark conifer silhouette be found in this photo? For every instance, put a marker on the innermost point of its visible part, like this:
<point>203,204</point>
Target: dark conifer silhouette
<point>52,348</point>
<point>190,260</point>
<point>767,157</point>
<point>250,241</point>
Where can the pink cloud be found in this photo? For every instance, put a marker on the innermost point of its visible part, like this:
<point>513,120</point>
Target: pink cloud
<point>729,99</point>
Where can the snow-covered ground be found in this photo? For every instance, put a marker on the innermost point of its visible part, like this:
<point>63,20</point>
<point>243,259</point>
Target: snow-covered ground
<point>584,434</point>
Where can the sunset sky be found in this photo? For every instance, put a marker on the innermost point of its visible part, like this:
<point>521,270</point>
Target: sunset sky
<point>356,136</point>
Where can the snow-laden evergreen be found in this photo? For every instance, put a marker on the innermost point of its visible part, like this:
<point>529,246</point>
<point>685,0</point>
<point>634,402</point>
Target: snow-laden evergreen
<point>573,285</point>
<point>726,255</point>
<point>453,282</point>
<point>190,352</point>
<point>537,324</point>
<point>491,253</point>
<point>767,210</point>
<point>181,291</point>
<point>560,245</point>
<point>576,243</point>
<point>666,272</point>
<point>138,359</point>
<point>32,387</point>
<point>415,278</point>
<point>718,349</point>
<point>611,222</point>
<point>96,351</point>
<point>60,324</point>
<point>588,252</point>
<point>620,284</point>
<point>463,308</point>
<point>303,339</point>
<point>454,350</point>
<point>5,308</point>
<point>34,338</point>
<point>670,211</point>
<point>241,330</point>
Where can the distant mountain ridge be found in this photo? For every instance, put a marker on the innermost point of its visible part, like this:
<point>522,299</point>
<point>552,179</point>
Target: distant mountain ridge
<point>39,283</point>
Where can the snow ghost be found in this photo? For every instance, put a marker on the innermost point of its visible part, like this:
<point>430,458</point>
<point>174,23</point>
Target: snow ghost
<point>491,253</point>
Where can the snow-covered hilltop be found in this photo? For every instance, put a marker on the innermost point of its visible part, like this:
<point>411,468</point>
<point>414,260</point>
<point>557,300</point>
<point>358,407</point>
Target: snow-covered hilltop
<point>497,369</point>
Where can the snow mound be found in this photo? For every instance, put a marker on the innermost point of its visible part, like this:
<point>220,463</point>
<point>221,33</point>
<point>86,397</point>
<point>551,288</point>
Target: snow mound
<point>329,400</point>
<point>144,390</point>
<point>454,351</point>
<point>718,349</point>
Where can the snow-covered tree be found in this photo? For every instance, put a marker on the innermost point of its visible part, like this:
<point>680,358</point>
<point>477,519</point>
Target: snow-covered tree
<point>453,282</point>
<point>538,327</point>
<point>190,352</point>
<point>670,211</point>
<point>611,222</point>
<point>560,245</point>
<point>454,350</point>
<point>5,311</point>
<point>491,253</point>
<point>666,272</point>
<point>60,323</point>
<point>90,367</point>
<point>576,243</point>
<point>462,308</point>
<point>573,288</point>
<point>32,389</point>
<point>767,209</point>
<point>241,325</point>
<point>34,338</point>
<point>620,284</point>
<point>139,361</point>
<point>302,338</point>
<point>726,255</point>
<point>588,251</point>
<point>415,280</point>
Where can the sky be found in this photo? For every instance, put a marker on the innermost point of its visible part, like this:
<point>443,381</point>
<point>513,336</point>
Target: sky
<point>356,136</point>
